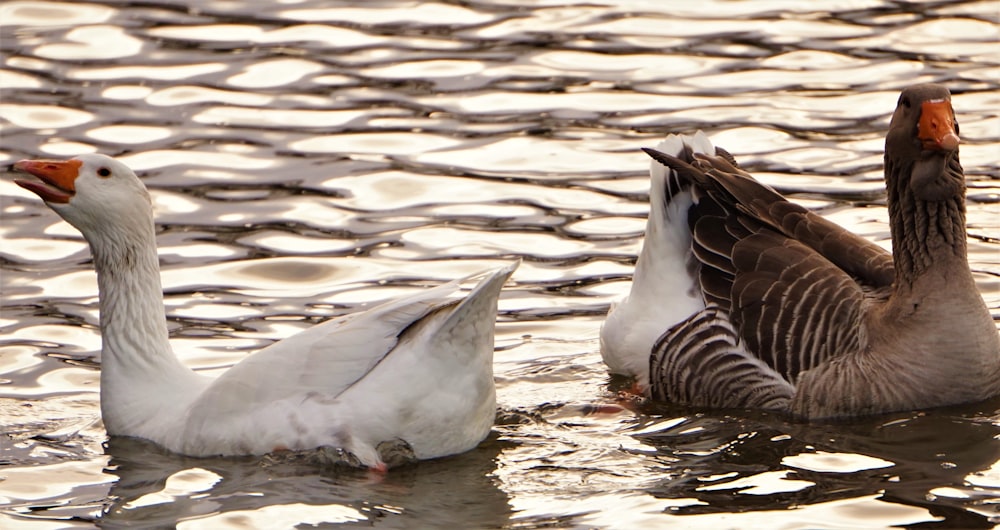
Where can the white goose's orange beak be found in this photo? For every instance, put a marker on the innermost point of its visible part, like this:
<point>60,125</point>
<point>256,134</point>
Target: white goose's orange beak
<point>936,129</point>
<point>58,178</point>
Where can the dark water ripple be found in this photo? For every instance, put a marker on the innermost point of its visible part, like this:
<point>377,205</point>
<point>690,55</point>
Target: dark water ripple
<point>309,158</point>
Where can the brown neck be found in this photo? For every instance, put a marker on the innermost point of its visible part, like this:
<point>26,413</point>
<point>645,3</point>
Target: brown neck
<point>927,235</point>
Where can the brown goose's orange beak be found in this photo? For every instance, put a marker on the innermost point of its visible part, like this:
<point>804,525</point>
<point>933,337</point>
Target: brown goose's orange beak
<point>936,129</point>
<point>58,178</point>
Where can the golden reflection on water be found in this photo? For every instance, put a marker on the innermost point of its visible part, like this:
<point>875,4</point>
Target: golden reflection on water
<point>180,484</point>
<point>419,14</point>
<point>36,13</point>
<point>277,515</point>
<point>307,160</point>
<point>93,42</point>
<point>44,116</point>
<point>23,484</point>
<point>834,462</point>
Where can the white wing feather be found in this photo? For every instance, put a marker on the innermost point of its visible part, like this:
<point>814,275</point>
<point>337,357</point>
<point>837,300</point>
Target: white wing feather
<point>316,361</point>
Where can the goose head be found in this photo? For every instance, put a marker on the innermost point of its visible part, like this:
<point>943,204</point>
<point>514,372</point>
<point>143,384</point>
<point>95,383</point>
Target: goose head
<point>95,193</point>
<point>921,147</point>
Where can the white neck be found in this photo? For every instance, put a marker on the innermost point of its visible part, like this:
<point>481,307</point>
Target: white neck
<point>141,378</point>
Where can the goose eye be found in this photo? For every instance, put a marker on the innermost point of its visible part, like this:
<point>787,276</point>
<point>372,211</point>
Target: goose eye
<point>104,172</point>
<point>906,102</point>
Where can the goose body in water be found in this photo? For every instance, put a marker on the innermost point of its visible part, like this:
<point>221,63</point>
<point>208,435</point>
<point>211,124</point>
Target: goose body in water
<point>743,299</point>
<point>417,371</point>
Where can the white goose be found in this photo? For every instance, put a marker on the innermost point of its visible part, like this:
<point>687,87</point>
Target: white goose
<point>744,299</point>
<point>418,370</point>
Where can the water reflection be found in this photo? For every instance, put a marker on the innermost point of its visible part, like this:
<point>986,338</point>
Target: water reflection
<point>33,13</point>
<point>307,159</point>
<point>761,463</point>
<point>154,488</point>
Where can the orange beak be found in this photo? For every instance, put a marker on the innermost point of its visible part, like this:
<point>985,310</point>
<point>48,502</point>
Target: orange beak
<point>936,129</point>
<point>58,178</point>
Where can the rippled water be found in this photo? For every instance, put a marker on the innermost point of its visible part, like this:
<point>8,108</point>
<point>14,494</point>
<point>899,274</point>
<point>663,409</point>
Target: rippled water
<point>307,158</point>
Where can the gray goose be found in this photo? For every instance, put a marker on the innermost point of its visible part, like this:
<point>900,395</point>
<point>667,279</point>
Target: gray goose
<point>793,313</point>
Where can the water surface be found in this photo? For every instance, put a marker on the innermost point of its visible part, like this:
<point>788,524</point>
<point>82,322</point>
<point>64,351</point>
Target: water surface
<point>307,159</point>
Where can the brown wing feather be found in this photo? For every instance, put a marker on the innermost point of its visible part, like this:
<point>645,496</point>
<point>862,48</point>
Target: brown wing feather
<point>790,281</point>
<point>793,307</point>
<point>862,259</point>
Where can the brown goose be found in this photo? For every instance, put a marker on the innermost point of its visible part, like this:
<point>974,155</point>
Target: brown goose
<point>795,314</point>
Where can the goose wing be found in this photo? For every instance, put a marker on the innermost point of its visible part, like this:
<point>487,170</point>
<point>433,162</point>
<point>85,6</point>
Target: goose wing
<point>327,358</point>
<point>791,284</point>
<point>734,189</point>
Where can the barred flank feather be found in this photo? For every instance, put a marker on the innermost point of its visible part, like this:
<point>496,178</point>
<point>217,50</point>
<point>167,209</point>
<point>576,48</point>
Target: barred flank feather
<point>702,362</point>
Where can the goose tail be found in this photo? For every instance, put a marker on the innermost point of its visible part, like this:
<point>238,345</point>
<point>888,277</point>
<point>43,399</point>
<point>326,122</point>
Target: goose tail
<point>664,285</point>
<point>471,323</point>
